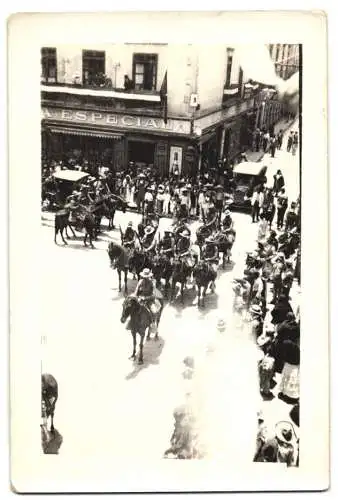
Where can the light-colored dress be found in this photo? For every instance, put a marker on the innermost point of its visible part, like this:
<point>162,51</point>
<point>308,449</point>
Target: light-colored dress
<point>289,385</point>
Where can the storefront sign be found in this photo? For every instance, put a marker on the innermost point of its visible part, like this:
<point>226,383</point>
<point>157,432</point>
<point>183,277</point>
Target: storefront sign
<point>117,120</point>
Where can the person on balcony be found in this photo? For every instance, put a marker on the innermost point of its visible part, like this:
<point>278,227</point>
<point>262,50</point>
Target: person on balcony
<point>128,84</point>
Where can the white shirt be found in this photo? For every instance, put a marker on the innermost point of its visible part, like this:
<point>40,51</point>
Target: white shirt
<point>148,196</point>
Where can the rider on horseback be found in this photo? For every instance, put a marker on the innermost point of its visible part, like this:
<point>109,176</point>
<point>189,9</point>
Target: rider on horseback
<point>145,291</point>
<point>129,236</point>
<point>148,240</point>
<point>167,244</point>
<point>183,244</point>
<point>210,254</point>
<point>227,222</point>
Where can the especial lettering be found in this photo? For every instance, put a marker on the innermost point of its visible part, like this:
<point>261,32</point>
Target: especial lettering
<point>146,123</point>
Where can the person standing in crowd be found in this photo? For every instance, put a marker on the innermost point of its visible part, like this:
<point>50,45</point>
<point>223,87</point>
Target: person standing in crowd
<point>160,199</point>
<point>256,321</point>
<point>290,142</point>
<point>148,201</point>
<point>278,181</point>
<point>289,385</point>
<point>295,143</point>
<point>291,219</point>
<point>282,203</point>
<point>193,200</point>
<point>273,146</point>
<point>166,200</point>
<point>201,204</point>
<point>280,139</point>
<point>266,141</point>
<point>219,201</point>
<point>282,448</point>
<point>255,205</point>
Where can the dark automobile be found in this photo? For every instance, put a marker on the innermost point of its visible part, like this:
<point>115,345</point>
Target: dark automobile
<point>246,176</point>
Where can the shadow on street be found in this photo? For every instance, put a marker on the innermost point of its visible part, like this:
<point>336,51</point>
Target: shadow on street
<point>152,350</point>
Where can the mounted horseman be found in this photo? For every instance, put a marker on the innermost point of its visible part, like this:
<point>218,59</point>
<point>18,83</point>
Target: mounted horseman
<point>149,240</point>
<point>129,237</point>
<point>162,262</point>
<point>210,254</point>
<point>167,244</point>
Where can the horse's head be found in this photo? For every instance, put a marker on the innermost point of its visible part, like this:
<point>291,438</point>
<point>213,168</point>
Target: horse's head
<point>114,253</point>
<point>129,305</point>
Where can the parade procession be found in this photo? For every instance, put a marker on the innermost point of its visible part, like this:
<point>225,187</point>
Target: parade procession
<point>173,259</point>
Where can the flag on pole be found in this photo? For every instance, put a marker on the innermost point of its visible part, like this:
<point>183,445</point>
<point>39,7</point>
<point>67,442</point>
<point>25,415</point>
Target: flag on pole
<point>164,98</point>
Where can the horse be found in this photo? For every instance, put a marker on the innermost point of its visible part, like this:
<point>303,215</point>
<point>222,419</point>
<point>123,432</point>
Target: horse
<point>180,274</point>
<point>140,321</point>
<point>86,219</point>
<point>204,275</point>
<point>224,241</point>
<point>202,233</point>
<point>119,259</point>
<point>106,207</point>
<point>162,269</point>
<point>139,259</point>
<point>49,396</point>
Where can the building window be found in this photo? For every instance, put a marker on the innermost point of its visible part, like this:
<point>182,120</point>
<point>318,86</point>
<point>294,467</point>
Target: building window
<point>93,67</point>
<point>48,64</point>
<point>230,53</point>
<point>277,52</point>
<point>145,71</point>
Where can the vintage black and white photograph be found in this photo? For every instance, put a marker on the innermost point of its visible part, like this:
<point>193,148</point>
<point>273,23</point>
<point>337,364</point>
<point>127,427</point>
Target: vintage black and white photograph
<point>170,251</point>
<point>170,198</point>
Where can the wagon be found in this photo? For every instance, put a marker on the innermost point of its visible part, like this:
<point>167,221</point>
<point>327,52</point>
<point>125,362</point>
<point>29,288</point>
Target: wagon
<point>246,175</point>
<point>67,181</point>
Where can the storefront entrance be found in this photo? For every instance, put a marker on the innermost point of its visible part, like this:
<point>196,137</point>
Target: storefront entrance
<point>79,148</point>
<point>142,153</point>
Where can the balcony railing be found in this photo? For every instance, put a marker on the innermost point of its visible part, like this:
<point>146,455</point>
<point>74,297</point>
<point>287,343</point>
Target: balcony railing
<point>103,90</point>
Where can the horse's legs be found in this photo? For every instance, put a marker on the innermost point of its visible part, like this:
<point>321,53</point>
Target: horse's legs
<point>125,281</point>
<point>85,239</point>
<point>203,295</point>
<point>61,231</point>
<point>182,292</point>
<point>140,358</point>
<point>148,334</point>
<point>119,274</point>
<point>111,221</point>
<point>91,236</point>
<point>133,356</point>
<point>198,295</point>
<point>52,421</point>
<point>72,230</point>
<point>223,260</point>
<point>173,286</point>
<point>56,230</point>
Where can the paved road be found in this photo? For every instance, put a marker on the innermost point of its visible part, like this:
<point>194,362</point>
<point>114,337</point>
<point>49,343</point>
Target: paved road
<point>107,404</point>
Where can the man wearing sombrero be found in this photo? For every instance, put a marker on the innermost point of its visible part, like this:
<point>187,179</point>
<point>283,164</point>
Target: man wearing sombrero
<point>148,240</point>
<point>183,245</point>
<point>167,244</point>
<point>145,291</point>
<point>210,254</point>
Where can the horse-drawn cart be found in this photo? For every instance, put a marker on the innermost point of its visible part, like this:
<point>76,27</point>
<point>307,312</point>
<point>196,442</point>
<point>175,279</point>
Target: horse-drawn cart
<point>67,181</point>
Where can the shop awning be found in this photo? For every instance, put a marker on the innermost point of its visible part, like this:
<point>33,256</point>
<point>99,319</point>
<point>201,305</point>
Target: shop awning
<point>204,138</point>
<point>86,132</point>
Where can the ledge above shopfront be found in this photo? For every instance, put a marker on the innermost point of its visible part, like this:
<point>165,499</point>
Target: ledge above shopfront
<point>101,92</point>
<point>148,102</point>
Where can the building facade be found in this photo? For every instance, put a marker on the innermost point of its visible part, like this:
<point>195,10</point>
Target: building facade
<point>161,105</point>
<point>269,109</point>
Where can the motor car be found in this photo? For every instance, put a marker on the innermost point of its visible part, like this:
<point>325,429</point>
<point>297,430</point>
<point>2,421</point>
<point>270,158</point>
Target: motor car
<point>246,176</point>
